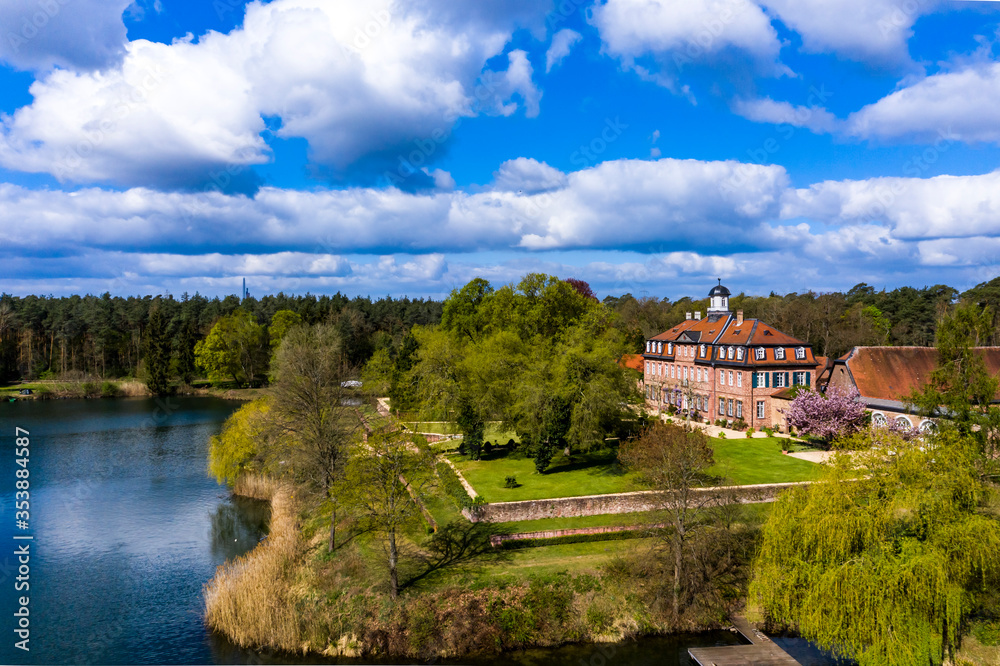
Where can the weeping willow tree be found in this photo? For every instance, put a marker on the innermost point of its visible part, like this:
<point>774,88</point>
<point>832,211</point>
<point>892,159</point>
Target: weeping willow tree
<point>883,557</point>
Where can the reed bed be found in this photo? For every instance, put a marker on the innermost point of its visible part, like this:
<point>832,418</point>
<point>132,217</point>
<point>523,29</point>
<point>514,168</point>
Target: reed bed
<point>247,600</point>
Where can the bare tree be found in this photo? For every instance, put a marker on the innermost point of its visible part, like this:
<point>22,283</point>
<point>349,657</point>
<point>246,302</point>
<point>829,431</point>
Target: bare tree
<point>673,459</point>
<point>384,479</point>
<point>313,408</point>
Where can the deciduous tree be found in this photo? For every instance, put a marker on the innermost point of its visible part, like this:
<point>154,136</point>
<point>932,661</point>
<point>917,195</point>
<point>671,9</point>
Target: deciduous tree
<point>383,477</point>
<point>673,459</point>
<point>882,558</point>
<point>836,413</point>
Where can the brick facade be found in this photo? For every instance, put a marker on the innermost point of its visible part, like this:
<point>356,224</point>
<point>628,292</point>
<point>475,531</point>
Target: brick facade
<point>725,366</point>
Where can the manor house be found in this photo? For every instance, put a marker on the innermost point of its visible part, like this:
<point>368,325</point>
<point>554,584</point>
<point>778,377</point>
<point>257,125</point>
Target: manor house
<point>723,366</point>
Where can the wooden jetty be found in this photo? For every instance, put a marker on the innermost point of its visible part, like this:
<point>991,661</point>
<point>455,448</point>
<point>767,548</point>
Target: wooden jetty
<point>761,652</point>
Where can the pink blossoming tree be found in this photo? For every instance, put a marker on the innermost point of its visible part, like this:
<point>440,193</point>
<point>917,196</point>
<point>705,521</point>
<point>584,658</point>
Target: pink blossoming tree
<point>834,414</point>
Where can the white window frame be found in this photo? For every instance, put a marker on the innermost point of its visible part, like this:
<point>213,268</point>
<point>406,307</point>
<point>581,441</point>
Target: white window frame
<point>722,377</point>
<point>761,379</point>
<point>739,409</point>
<point>760,409</point>
<point>739,353</point>
<point>722,406</point>
<point>779,353</point>
<point>779,380</point>
<point>685,372</point>
<point>731,354</point>
<point>800,352</point>
<point>729,407</point>
<point>703,351</point>
<point>648,344</point>
<point>739,379</point>
<point>903,421</point>
<point>730,377</point>
<point>647,368</point>
<point>760,354</point>
<point>879,420</point>
<point>672,366</point>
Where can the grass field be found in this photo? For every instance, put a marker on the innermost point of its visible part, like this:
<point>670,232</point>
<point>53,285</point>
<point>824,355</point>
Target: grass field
<point>737,462</point>
<point>750,461</point>
<point>595,473</point>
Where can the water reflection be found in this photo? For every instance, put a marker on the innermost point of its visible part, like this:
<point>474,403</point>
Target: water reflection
<point>238,524</point>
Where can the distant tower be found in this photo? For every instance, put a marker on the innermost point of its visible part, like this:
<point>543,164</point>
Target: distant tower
<point>719,303</point>
<point>244,289</point>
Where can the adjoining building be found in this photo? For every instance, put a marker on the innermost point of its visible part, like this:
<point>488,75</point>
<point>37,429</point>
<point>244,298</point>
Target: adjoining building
<point>726,367</point>
<point>886,376</point>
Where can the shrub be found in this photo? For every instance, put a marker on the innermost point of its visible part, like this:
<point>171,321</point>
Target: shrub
<point>110,390</point>
<point>722,435</point>
<point>768,431</point>
<point>749,433</point>
<point>739,424</point>
<point>488,448</point>
<point>90,389</point>
<point>453,486</point>
<point>511,482</point>
<point>511,444</point>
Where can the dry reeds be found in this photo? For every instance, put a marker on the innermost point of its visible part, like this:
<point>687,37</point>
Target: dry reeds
<point>133,389</point>
<point>247,600</point>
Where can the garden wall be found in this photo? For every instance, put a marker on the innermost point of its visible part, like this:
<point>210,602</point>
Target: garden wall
<point>644,500</point>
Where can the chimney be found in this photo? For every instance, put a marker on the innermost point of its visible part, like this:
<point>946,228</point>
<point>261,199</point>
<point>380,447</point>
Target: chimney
<point>739,317</point>
<point>687,315</point>
<point>697,315</point>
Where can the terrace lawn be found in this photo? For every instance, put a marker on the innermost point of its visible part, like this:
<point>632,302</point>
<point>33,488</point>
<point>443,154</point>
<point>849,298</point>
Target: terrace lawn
<point>594,473</point>
<point>493,433</point>
<point>740,461</point>
<point>737,462</point>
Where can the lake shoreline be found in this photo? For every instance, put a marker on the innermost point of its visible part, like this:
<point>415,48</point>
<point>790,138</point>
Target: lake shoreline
<point>240,590</point>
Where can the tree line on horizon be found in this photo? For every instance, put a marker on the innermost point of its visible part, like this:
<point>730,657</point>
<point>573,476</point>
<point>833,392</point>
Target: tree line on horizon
<point>111,336</point>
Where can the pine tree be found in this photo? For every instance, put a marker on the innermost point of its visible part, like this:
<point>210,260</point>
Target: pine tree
<point>157,353</point>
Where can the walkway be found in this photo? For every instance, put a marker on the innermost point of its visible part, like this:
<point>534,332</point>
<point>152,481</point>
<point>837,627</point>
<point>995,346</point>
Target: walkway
<point>761,652</point>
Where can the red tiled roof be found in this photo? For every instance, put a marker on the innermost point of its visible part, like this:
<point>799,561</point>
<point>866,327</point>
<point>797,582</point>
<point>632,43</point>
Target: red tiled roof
<point>892,373</point>
<point>633,361</point>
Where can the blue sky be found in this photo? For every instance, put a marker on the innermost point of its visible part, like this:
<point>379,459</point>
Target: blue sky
<point>405,147</point>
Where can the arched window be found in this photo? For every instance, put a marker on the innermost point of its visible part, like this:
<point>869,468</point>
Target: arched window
<point>927,426</point>
<point>903,422</point>
<point>759,353</point>
<point>878,419</point>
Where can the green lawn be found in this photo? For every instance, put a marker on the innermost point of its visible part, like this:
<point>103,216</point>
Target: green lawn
<point>737,461</point>
<point>749,461</point>
<point>595,473</point>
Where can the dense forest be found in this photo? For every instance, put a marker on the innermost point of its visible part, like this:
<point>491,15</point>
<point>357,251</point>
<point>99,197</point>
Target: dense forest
<point>107,336</point>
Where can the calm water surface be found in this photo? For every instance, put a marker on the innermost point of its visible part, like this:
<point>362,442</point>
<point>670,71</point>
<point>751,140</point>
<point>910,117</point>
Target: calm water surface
<point>128,527</point>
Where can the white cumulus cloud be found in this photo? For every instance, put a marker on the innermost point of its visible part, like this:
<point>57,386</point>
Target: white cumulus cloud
<point>356,80</point>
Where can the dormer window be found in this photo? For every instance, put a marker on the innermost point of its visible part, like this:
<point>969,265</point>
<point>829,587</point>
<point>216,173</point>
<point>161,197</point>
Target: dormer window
<point>759,353</point>
<point>779,353</point>
<point>670,348</point>
<point>703,351</point>
<point>800,353</point>
<point>739,353</point>
<point>659,347</point>
<point>732,353</point>
<point>648,346</point>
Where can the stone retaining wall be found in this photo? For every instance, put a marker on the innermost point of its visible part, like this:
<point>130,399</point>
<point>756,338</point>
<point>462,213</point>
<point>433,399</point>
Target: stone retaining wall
<point>497,539</point>
<point>644,500</point>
